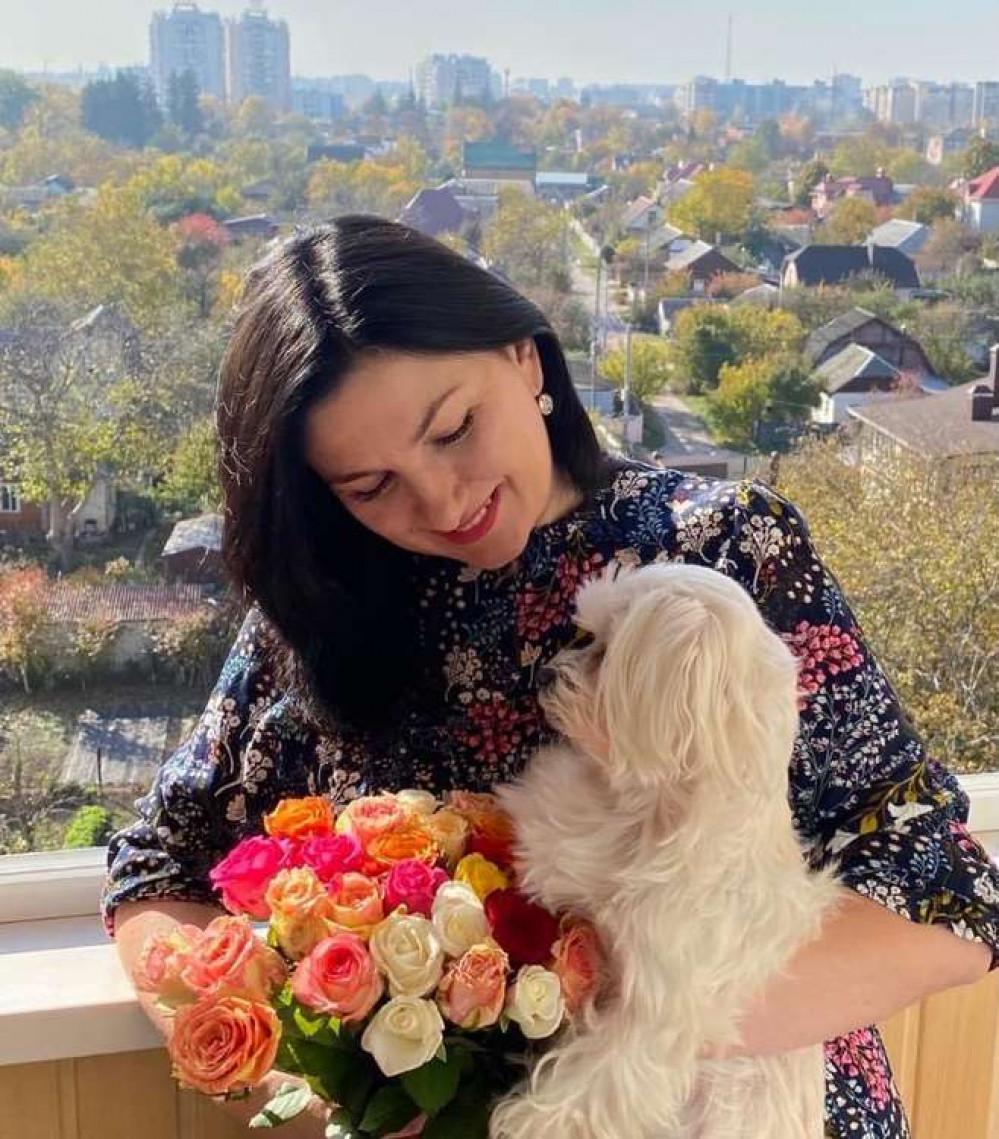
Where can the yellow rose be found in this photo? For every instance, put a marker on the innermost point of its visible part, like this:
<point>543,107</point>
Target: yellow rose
<point>482,875</point>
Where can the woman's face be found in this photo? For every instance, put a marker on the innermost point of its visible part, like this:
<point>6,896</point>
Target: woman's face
<point>443,455</point>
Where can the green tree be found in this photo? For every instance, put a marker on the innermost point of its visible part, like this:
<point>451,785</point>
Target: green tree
<point>777,389</point>
<point>183,106</point>
<point>650,366</point>
<point>948,575</point>
<point>122,110</point>
<point>928,204</point>
<point>981,155</point>
<point>191,484</point>
<point>90,826</point>
<point>810,175</point>
<point>719,206</point>
<point>850,222</point>
<point>16,96</point>
<point>707,337</point>
<point>528,240</point>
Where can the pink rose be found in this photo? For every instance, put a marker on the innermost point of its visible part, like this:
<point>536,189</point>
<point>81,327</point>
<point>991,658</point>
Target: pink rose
<point>299,908</point>
<point>371,816</point>
<point>339,978</point>
<point>224,1044</point>
<point>473,989</point>
<point>579,963</point>
<point>160,962</point>
<point>355,904</point>
<point>229,959</point>
<point>331,855</point>
<point>246,871</point>
<point>413,884</point>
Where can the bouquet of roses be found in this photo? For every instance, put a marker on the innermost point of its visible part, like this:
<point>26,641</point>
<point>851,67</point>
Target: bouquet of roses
<point>402,974</point>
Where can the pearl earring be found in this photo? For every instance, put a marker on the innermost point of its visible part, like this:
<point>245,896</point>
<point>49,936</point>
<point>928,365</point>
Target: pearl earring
<point>546,405</point>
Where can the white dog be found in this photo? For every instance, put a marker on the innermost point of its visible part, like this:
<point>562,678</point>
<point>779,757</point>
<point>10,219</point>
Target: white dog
<point>664,818</point>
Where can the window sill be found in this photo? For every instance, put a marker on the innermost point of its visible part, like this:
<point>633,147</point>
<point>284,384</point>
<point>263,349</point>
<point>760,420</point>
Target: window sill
<point>62,991</point>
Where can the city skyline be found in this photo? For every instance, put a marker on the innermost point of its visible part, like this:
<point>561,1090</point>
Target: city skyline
<point>780,40</point>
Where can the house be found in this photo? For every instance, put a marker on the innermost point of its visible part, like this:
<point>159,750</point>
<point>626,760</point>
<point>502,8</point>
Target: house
<point>858,326</point>
<point>763,294</point>
<point>253,227</point>
<point>855,375</point>
<point>957,425</point>
<point>980,202</point>
<point>335,152</point>
<point>908,237</point>
<point>32,197</point>
<point>193,552</point>
<point>838,264</point>
<point>702,262</point>
<point>564,186</point>
<point>19,519</point>
<point>434,212</point>
<point>879,190</point>
<point>641,216</point>
<point>498,161</point>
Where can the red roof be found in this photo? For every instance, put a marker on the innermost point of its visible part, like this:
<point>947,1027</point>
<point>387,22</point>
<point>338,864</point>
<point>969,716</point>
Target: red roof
<point>123,602</point>
<point>985,185</point>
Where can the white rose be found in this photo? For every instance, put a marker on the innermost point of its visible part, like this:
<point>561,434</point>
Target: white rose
<point>404,1034</point>
<point>459,918</point>
<point>407,950</point>
<point>419,802</point>
<point>535,1002</point>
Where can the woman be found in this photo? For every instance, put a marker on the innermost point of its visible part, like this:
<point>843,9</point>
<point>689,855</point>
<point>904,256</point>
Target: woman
<point>413,495</point>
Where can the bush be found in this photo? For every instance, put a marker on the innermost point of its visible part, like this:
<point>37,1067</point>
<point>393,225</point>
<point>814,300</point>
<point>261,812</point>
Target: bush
<point>90,826</point>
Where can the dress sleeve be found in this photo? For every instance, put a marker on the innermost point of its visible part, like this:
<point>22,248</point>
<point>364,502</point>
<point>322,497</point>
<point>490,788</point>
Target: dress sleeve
<point>247,751</point>
<point>891,820</point>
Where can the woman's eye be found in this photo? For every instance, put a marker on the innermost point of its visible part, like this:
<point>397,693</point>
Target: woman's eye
<point>457,436</point>
<point>368,495</point>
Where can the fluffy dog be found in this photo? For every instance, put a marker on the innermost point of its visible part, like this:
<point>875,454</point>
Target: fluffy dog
<point>664,818</point>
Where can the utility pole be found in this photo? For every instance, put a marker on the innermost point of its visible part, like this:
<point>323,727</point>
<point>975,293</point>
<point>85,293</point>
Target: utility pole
<point>728,49</point>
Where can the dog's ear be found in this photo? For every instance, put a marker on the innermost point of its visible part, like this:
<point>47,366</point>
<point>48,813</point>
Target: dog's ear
<point>693,685</point>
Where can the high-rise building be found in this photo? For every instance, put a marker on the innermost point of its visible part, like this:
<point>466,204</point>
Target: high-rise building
<point>985,111</point>
<point>259,59</point>
<point>187,39</point>
<point>443,79</point>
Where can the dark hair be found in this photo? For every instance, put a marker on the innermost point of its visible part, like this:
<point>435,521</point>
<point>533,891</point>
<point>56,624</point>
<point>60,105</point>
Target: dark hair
<point>339,596</point>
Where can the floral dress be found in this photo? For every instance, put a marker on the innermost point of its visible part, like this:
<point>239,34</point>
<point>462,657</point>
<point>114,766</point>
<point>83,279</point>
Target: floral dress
<point>865,796</point>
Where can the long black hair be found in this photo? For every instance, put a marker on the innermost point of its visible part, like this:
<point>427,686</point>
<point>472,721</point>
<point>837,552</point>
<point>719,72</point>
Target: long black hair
<point>338,595</point>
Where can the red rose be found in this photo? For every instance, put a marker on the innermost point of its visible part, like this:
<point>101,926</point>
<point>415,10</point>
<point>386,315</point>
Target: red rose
<point>524,929</point>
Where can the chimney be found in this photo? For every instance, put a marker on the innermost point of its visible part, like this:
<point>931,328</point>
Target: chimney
<point>985,396</point>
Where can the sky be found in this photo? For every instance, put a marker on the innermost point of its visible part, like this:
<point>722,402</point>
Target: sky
<point>648,41</point>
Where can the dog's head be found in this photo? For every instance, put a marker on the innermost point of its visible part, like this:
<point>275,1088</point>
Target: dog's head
<point>681,672</point>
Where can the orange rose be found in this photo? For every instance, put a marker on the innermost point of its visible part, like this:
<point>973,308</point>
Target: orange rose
<point>492,828</point>
<point>300,910</point>
<point>161,961</point>
<point>300,818</point>
<point>450,830</point>
<point>355,904</point>
<point>372,815</point>
<point>229,959</point>
<point>412,841</point>
<point>579,962</point>
<point>224,1044</point>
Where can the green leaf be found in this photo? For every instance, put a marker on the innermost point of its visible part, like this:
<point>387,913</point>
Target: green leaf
<point>388,1110</point>
<point>290,1100</point>
<point>459,1121</point>
<point>304,1024</point>
<point>340,1075</point>
<point>433,1085</point>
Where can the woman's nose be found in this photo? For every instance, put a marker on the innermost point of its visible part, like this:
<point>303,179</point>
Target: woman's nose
<point>439,504</point>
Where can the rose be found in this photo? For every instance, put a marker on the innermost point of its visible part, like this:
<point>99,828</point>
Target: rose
<point>526,930</point>
<point>473,989</point>
<point>407,950</point>
<point>411,841</point>
<point>492,833</point>
<point>160,962</point>
<point>450,831</point>
<point>535,1002</point>
<point>228,959</point>
<point>413,884</point>
<point>224,1044</point>
<point>578,964</point>
<point>339,978</point>
<point>300,911</point>
<point>330,855</point>
<point>370,816</point>
<point>417,802</point>
<point>459,919</point>
<point>482,875</point>
<point>303,818</point>
<point>355,904</point>
<point>404,1034</point>
<point>246,871</point>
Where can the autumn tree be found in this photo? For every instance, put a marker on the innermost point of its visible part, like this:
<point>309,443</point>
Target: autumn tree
<point>719,206</point>
<point>708,337</point>
<point>650,366</point>
<point>928,204</point>
<point>527,239</point>
<point>982,155</point>
<point>775,388</point>
<point>201,242</point>
<point>850,222</point>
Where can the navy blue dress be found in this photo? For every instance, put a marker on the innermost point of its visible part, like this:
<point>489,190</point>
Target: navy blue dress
<point>866,797</point>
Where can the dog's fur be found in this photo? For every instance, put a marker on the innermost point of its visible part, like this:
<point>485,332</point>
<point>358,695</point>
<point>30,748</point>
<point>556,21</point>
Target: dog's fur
<point>664,818</point>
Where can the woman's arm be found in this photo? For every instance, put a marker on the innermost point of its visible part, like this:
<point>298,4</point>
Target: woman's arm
<point>134,922</point>
<point>867,964</point>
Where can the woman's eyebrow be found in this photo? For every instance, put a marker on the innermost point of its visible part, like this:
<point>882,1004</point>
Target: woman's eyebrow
<point>423,428</point>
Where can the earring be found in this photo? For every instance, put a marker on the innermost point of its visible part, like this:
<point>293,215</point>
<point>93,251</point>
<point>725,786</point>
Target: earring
<point>546,405</point>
